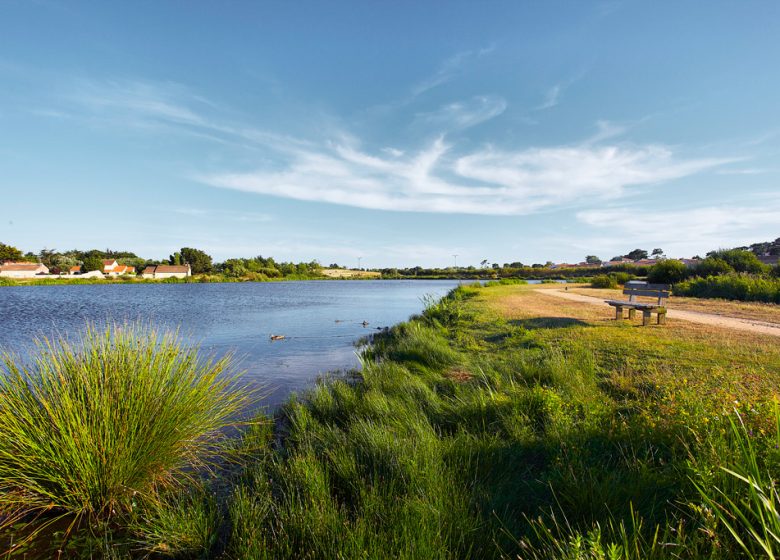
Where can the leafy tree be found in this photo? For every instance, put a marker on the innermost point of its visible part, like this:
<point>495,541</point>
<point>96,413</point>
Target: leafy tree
<point>9,253</point>
<point>637,254</point>
<point>484,263</point>
<point>91,263</point>
<point>175,259</point>
<point>198,260</point>
<point>657,253</point>
<point>516,264</point>
<point>592,259</point>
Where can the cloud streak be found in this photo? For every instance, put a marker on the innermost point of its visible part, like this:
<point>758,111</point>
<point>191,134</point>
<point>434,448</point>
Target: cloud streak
<point>484,181</point>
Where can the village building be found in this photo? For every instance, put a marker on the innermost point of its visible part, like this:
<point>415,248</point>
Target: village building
<point>162,271</point>
<point>74,270</point>
<point>121,269</point>
<point>23,269</point>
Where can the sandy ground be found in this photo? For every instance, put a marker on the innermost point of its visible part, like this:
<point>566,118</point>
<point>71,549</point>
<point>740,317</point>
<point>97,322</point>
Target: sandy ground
<point>751,325</point>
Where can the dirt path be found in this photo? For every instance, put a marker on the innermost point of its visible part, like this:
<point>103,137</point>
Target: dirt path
<point>761,327</point>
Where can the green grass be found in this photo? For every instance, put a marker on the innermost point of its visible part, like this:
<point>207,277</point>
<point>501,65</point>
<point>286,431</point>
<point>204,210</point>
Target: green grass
<point>95,426</point>
<point>472,436</point>
<point>492,427</point>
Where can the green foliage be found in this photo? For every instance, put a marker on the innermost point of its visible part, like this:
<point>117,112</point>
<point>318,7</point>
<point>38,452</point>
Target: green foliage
<point>712,266</point>
<point>636,254</point>
<point>747,503</point>
<point>740,260</point>
<point>592,259</point>
<point>90,425</point>
<point>742,287</point>
<point>604,281</point>
<point>667,272</point>
<point>198,260</point>
<point>91,263</point>
<point>9,253</point>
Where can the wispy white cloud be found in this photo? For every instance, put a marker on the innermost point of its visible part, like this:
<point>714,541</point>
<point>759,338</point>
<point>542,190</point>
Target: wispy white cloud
<point>483,181</point>
<point>465,114</point>
<point>686,231</point>
<point>550,98</point>
<point>449,69</point>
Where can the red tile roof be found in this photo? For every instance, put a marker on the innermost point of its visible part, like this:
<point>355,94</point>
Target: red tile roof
<point>21,266</point>
<point>172,268</point>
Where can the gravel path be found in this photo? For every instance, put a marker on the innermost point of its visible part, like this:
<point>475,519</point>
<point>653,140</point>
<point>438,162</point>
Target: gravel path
<point>761,327</point>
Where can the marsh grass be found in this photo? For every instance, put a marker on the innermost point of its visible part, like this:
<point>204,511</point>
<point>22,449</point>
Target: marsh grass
<point>95,426</point>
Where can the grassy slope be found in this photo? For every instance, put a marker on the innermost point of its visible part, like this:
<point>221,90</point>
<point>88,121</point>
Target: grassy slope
<point>508,423</point>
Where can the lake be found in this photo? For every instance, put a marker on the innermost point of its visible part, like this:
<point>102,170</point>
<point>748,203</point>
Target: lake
<point>321,320</point>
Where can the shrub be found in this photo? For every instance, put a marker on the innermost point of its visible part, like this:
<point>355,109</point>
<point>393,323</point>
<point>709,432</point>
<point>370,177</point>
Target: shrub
<point>121,411</point>
<point>732,286</point>
<point>603,281</point>
<point>667,272</point>
<point>712,266</point>
<point>740,260</point>
<point>622,277</point>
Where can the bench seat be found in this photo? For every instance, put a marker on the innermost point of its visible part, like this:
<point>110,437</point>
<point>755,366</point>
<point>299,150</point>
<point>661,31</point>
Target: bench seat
<point>633,289</point>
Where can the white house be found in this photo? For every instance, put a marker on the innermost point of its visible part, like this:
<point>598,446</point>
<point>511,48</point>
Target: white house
<point>22,270</point>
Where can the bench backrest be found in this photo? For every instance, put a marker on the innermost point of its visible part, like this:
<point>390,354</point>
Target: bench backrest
<point>636,288</point>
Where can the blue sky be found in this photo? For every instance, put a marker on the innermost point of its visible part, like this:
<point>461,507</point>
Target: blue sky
<point>402,133</point>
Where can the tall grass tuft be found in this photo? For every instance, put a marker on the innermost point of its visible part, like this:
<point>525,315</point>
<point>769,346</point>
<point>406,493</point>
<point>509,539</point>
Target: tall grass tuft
<point>92,426</point>
<point>747,502</point>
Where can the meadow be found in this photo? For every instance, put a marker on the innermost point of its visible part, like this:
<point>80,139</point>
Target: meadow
<point>500,423</point>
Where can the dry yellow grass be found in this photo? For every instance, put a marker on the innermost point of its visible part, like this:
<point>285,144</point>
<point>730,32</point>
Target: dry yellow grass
<point>346,274</point>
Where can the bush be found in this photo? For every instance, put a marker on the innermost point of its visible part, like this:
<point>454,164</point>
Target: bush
<point>622,277</point>
<point>121,411</point>
<point>732,286</point>
<point>667,272</point>
<point>712,266</point>
<point>740,260</point>
<point>604,281</point>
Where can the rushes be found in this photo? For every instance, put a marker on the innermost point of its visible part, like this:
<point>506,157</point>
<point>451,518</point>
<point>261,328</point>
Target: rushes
<point>92,425</point>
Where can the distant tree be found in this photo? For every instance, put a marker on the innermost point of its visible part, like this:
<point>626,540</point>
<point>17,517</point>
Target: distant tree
<point>47,257</point>
<point>92,262</point>
<point>484,263</point>
<point>9,253</point>
<point>516,264</point>
<point>495,266</point>
<point>198,260</point>
<point>61,263</point>
<point>537,265</point>
<point>592,259</point>
<point>175,259</point>
<point>548,264</point>
<point>616,258</point>
<point>637,254</point>
<point>657,253</point>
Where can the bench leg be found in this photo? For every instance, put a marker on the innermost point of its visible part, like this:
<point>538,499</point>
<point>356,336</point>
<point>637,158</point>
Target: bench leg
<point>631,313</point>
<point>645,318</point>
<point>618,313</point>
<point>662,318</point>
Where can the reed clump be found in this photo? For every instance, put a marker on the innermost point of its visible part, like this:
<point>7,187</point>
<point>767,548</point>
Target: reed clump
<point>91,427</point>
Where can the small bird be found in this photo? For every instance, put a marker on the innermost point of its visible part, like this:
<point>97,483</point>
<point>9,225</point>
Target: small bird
<point>364,323</point>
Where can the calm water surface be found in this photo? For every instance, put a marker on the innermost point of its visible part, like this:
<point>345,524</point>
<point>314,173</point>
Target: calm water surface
<point>322,319</point>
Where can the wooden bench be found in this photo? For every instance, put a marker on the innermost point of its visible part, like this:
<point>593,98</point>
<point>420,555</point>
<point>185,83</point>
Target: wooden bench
<point>632,290</point>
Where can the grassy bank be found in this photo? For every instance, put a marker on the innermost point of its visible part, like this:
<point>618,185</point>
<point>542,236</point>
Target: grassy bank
<point>500,424</point>
<point>504,423</point>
